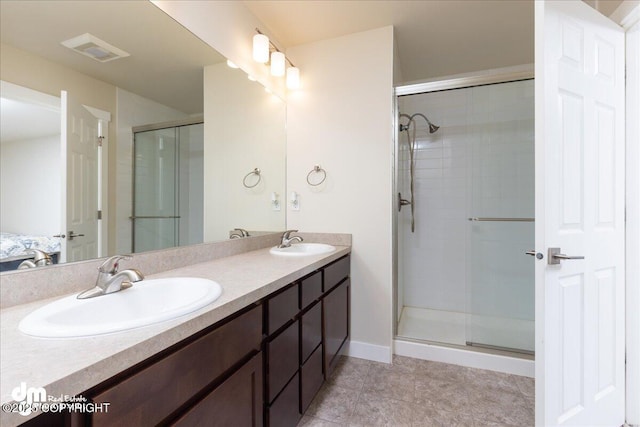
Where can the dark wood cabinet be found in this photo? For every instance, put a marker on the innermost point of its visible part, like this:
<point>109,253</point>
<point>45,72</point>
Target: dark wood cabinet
<point>261,366</point>
<point>156,391</point>
<point>336,314</point>
<point>282,360</point>
<point>285,410</point>
<point>236,402</point>
<point>311,378</point>
<point>310,331</point>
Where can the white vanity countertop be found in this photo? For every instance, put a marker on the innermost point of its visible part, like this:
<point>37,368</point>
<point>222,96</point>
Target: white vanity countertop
<point>73,365</point>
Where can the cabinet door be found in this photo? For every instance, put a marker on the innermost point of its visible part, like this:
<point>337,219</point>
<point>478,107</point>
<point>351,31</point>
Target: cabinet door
<point>285,410</point>
<point>335,307</point>
<point>235,402</point>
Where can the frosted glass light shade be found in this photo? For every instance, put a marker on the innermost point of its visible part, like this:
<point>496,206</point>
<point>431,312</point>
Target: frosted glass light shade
<point>277,64</point>
<point>293,78</point>
<point>231,64</point>
<point>260,48</point>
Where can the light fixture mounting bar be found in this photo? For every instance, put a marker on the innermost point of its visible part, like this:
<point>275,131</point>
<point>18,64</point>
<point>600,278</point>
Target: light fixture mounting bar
<point>275,48</point>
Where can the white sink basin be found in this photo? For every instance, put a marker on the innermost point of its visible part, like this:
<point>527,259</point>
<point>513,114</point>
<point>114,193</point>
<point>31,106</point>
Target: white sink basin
<point>146,302</point>
<point>303,249</point>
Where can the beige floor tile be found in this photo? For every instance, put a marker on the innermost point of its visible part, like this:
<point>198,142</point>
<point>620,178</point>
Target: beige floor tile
<point>350,373</point>
<point>307,421</point>
<point>375,410</point>
<point>430,416</point>
<point>391,384</point>
<point>526,385</point>
<point>333,403</point>
<point>441,371</point>
<point>443,395</point>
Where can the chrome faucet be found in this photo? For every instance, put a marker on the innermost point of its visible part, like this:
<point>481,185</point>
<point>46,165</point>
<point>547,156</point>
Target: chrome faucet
<point>40,259</point>
<point>110,279</point>
<point>241,232</point>
<point>287,240</point>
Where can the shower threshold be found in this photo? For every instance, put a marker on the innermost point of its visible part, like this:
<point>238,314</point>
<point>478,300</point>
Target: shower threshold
<point>497,347</point>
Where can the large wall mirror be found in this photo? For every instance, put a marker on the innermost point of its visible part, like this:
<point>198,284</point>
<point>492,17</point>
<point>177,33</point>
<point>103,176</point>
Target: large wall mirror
<point>191,148</point>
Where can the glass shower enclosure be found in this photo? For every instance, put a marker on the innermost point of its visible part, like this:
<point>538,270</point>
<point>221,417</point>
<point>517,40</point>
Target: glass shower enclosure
<point>463,276</point>
<point>167,185</point>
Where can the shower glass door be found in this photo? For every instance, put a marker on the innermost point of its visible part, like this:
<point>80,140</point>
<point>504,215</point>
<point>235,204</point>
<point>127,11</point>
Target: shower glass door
<point>168,187</point>
<point>500,227</point>
<point>155,204</point>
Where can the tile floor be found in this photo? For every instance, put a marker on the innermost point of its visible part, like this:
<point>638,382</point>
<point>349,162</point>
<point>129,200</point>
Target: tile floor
<point>413,392</point>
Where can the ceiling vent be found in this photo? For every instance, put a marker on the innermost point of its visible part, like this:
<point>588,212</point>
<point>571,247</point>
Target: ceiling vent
<point>91,46</point>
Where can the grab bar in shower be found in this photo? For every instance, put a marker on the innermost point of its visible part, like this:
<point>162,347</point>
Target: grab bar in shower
<point>503,219</point>
<point>155,217</point>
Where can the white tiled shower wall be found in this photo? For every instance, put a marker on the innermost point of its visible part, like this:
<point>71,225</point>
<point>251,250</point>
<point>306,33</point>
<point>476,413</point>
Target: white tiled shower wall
<point>480,163</point>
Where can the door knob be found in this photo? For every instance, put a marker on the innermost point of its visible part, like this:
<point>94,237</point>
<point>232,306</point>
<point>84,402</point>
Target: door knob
<point>555,256</point>
<point>538,255</point>
<point>71,235</point>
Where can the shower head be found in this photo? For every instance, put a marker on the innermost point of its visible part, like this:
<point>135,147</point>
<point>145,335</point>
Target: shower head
<point>432,128</point>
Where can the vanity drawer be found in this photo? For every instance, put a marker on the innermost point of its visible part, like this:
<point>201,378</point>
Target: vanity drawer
<point>311,378</point>
<point>285,411</point>
<point>282,360</point>
<point>311,330</point>
<point>310,289</point>
<point>336,272</point>
<point>282,308</point>
<point>235,402</point>
<point>150,395</point>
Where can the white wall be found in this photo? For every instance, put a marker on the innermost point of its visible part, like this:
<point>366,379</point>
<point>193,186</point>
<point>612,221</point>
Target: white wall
<point>342,119</point>
<point>244,129</point>
<point>30,186</point>
<point>132,110</point>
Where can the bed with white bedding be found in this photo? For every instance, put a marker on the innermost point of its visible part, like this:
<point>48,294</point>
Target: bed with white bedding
<point>14,248</point>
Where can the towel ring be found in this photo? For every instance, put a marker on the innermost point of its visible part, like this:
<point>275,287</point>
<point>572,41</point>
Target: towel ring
<point>256,171</point>
<point>317,169</point>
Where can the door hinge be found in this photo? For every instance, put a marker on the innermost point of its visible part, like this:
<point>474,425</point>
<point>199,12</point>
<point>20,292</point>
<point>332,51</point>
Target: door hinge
<point>100,140</point>
<point>100,214</point>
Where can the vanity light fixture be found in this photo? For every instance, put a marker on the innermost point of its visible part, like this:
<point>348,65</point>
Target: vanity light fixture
<point>231,64</point>
<point>293,78</point>
<point>264,51</point>
<point>277,64</point>
<point>261,48</point>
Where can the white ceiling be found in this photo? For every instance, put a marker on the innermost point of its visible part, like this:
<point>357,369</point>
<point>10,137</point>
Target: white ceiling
<point>166,60</point>
<point>434,37</point>
<point>22,120</point>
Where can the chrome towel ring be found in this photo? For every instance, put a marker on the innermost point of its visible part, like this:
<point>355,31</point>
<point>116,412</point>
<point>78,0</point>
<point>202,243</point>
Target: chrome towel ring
<point>316,169</point>
<point>256,171</point>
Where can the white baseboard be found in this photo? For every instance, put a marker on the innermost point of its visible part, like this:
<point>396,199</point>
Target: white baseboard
<point>363,350</point>
<point>471,359</point>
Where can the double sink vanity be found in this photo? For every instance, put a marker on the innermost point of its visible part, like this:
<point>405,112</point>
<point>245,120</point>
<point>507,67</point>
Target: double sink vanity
<point>249,342</point>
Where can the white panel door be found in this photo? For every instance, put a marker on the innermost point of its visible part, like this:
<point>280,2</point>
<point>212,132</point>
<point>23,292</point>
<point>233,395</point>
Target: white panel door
<point>580,306</point>
<point>80,182</point>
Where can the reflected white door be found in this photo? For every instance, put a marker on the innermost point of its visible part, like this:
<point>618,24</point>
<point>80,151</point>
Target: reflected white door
<point>80,182</point>
<point>580,310</point>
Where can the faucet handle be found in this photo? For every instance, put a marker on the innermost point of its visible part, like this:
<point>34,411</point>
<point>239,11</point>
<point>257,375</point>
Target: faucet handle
<point>111,264</point>
<point>287,233</point>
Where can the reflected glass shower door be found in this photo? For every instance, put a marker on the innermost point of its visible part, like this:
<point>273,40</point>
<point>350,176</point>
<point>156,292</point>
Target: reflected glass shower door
<point>500,277</point>
<point>155,204</point>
